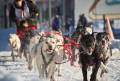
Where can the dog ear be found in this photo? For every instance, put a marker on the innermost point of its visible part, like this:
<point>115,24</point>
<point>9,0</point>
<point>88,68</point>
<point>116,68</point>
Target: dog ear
<point>107,37</point>
<point>94,34</point>
<point>10,35</point>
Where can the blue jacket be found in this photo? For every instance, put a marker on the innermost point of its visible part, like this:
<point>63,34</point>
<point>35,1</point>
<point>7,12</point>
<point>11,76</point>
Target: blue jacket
<point>56,24</point>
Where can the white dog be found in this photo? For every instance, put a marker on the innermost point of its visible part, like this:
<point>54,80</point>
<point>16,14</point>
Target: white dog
<point>46,50</point>
<point>15,44</point>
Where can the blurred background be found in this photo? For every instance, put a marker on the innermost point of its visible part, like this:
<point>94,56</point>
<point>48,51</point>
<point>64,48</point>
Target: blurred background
<point>70,10</point>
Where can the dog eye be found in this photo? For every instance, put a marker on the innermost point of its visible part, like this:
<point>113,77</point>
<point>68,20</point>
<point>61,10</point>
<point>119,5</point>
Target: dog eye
<point>46,42</point>
<point>37,37</point>
<point>106,38</point>
<point>58,40</point>
<point>53,42</point>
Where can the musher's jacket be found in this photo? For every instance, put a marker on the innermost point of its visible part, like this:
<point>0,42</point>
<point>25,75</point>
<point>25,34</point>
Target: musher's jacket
<point>28,12</point>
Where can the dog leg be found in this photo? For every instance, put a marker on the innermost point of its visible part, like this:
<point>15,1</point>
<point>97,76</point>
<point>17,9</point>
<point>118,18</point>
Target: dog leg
<point>84,71</point>
<point>94,72</point>
<point>103,69</point>
<point>20,52</point>
<point>12,55</point>
<point>51,71</point>
<point>58,69</point>
<point>30,59</point>
<point>52,78</point>
<point>26,55</point>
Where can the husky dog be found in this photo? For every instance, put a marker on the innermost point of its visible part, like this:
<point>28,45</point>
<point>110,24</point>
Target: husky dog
<point>15,44</point>
<point>45,55</point>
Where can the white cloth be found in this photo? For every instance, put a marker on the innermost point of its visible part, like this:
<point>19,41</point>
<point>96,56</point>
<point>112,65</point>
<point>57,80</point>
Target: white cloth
<point>22,14</point>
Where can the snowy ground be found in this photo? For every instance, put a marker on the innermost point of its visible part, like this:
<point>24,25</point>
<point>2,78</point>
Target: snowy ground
<point>17,71</point>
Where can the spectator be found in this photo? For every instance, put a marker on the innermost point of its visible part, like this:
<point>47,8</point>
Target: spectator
<point>69,25</point>
<point>56,23</point>
<point>82,22</point>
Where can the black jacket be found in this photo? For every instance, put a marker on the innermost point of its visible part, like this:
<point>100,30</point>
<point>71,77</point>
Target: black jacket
<point>32,9</point>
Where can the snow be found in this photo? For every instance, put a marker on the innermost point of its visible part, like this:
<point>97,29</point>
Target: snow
<point>17,71</point>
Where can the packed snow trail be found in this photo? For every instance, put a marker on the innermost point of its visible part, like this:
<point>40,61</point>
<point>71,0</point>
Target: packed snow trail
<point>17,68</point>
<point>69,73</point>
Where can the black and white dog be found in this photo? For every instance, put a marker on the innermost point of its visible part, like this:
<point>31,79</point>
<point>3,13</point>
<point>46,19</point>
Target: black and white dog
<point>103,50</point>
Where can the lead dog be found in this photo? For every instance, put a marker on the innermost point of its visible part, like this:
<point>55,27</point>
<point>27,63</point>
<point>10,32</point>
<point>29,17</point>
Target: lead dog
<point>103,49</point>
<point>45,54</point>
<point>87,46</point>
<point>93,52</point>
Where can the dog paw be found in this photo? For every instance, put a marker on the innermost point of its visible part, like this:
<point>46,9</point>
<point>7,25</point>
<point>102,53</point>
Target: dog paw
<point>30,68</point>
<point>105,70</point>
<point>59,75</point>
<point>97,80</point>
